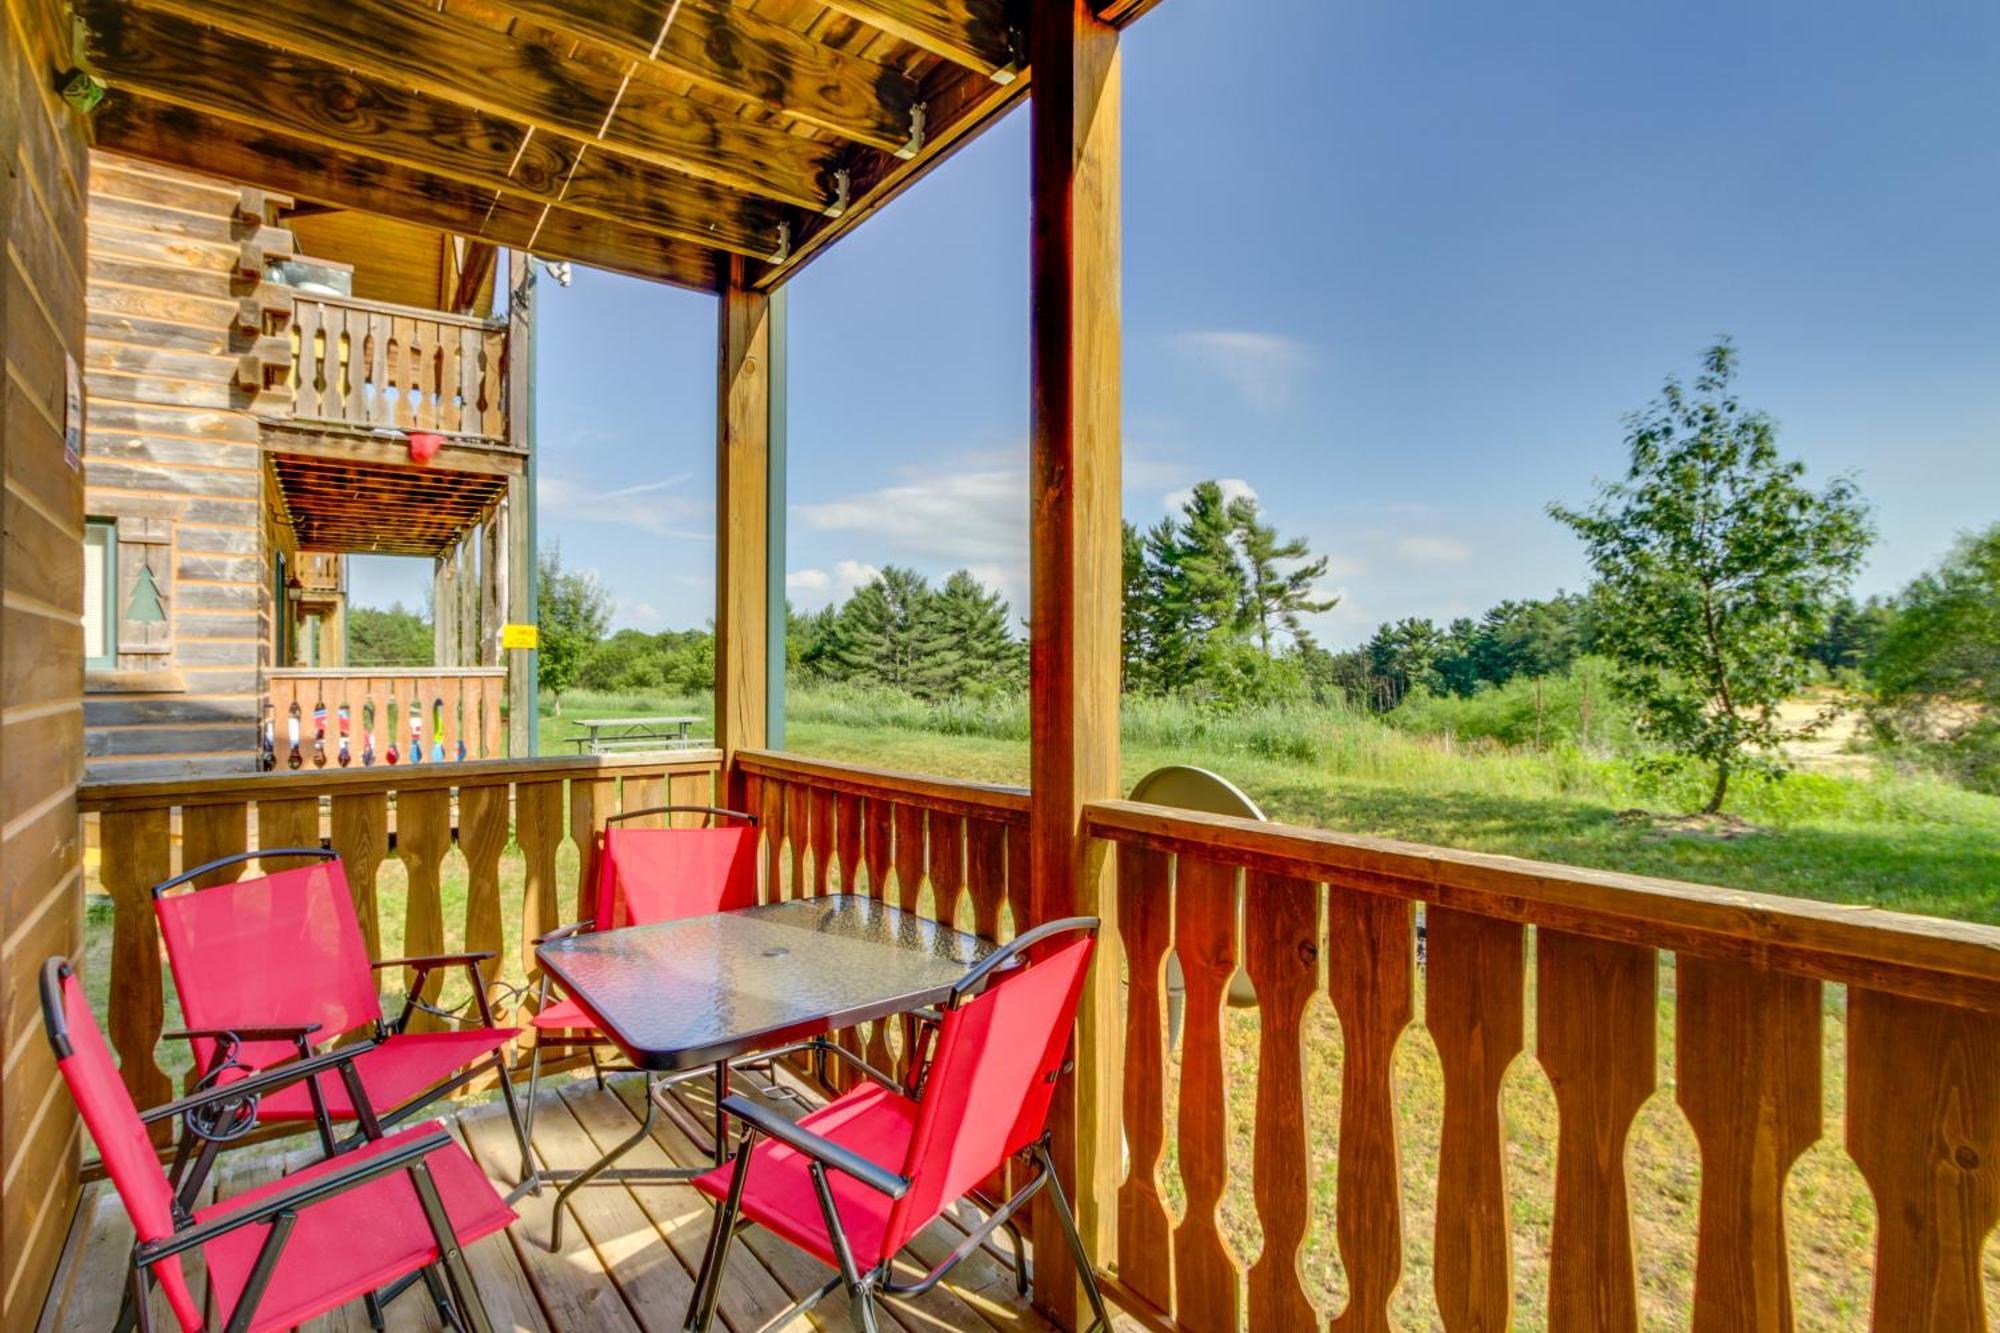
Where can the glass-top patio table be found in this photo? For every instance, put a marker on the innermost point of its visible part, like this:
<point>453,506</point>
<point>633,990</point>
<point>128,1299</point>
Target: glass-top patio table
<point>682,996</point>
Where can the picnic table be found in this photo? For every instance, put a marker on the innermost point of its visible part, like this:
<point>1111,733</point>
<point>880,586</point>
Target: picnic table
<point>604,735</point>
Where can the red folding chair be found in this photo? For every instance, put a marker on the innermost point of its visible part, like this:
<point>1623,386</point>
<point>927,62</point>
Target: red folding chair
<point>854,1181</point>
<point>284,954</point>
<point>644,876</point>
<point>374,1219</point>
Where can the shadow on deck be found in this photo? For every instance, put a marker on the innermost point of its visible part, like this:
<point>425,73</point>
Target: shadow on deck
<point>629,1253</point>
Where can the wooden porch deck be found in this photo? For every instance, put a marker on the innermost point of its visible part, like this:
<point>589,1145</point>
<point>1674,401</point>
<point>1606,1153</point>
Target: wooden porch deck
<point>629,1254</point>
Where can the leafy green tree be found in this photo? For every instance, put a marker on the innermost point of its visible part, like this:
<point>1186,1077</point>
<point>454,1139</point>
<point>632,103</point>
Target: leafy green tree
<point>395,637</point>
<point>574,610</point>
<point>1937,667</point>
<point>1404,657</point>
<point>1278,574</point>
<point>1718,564</point>
<point>884,633</point>
<point>967,646</point>
<point>1854,631</point>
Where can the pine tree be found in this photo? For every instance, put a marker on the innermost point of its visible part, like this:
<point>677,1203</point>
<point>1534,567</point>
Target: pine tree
<point>965,644</point>
<point>1279,574</point>
<point>884,633</point>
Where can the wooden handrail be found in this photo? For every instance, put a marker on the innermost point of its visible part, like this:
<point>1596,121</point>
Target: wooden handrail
<point>372,365</point>
<point>985,800</point>
<point>410,311</point>
<point>1956,962</point>
<point>283,786</point>
<point>381,673</point>
<point>1306,913</point>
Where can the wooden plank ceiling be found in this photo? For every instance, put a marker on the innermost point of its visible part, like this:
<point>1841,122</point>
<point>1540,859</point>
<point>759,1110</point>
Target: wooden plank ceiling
<point>660,138</point>
<point>363,507</point>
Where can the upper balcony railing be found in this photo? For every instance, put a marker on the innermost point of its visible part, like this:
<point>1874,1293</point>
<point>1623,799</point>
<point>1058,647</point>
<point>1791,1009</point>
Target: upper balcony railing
<point>368,365</point>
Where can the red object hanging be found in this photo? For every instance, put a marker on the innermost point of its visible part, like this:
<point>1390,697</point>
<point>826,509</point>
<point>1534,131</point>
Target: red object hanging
<point>424,445</point>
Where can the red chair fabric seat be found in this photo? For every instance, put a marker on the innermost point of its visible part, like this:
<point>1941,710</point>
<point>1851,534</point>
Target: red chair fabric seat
<point>778,1194</point>
<point>403,1067</point>
<point>563,1016</point>
<point>350,1243</point>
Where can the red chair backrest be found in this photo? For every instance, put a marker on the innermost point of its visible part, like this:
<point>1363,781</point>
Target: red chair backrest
<point>650,875</point>
<point>991,1083</point>
<point>281,950</point>
<point>114,1124</point>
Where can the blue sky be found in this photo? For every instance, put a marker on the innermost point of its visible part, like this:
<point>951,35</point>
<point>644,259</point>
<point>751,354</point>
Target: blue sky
<point>1399,268</point>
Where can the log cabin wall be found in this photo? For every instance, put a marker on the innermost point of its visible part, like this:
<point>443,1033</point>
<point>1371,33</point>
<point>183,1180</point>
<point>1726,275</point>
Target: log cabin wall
<point>183,336</point>
<point>43,171</point>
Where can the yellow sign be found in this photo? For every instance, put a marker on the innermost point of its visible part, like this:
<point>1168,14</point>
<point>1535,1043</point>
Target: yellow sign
<point>520,636</point>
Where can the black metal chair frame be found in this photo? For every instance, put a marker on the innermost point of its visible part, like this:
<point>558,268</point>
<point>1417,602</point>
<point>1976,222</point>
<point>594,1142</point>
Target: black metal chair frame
<point>863,1287</point>
<point>451,1289</point>
<point>530,1175</point>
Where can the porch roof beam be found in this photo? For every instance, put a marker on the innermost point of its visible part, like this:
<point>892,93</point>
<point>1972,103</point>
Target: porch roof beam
<point>326,105</point>
<point>970,33</point>
<point>515,76</point>
<point>732,50</point>
<point>195,141</point>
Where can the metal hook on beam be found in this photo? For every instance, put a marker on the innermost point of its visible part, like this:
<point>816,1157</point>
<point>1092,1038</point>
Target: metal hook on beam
<point>916,143</point>
<point>843,186</point>
<point>784,250</point>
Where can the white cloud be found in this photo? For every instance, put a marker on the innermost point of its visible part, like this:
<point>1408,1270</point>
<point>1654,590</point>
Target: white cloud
<point>957,517</point>
<point>1233,488</point>
<point>629,613</point>
<point>1264,368</point>
<point>658,507</point>
<point>814,588</point>
<point>1433,550</point>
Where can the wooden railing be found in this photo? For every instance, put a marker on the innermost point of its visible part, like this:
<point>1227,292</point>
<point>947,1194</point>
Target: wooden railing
<point>368,364</point>
<point>320,571</point>
<point>450,707</point>
<point>152,830</point>
<point>1310,913</point>
<point>951,850</point>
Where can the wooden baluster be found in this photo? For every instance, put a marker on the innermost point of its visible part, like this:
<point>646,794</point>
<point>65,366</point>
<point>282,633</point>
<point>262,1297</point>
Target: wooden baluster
<point>910,855</point>
<point>847,842</point>
<point>1145,923</point>
<point>493,737</point>
<point>396,380</point>
<point>452,692</point>
<point>1207,1278</point>
<point>423,836</point>
<point>331,399</point>
<point>1474,1004</point>
<point>772,811</point>
<point>468,381</point>
<point>379,413</point>
<point>138,853</point>
<point>288,823</point>
<point>1923,1124</point>
<point>876,826</point>
<point>305,359</point>
<point>591,802</point>
<point>1017,876</point>
<point>798,825</point>
<point>538,827</point>
<point>1281,954</point>
<point>947,864</point>
<point>410,376</point>
<point>822,840</point>
<point>986,874</point>
<point>354,366</point>
<point>847,853</point>
<point>212,831</point>
<point>1595,1018</point>
<point>494,405</point>
<point>482,836</point>
<point>691,789</point>
<point>1371,963</point>
<point>644,793</point>
<point>1747,1072</point>
<point>361,836</point>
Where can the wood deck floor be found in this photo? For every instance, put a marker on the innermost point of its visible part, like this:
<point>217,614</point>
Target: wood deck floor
<point>630,1250</point>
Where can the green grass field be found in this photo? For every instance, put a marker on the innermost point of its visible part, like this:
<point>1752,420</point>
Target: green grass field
<point>1907,843</point>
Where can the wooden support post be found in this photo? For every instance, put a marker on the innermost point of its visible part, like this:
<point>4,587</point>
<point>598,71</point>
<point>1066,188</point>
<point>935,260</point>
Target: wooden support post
<point>522,703</point>
<point>444,608</point>
<point>1074,556</point>
<point>493,584</point>
<point>742,519</point>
